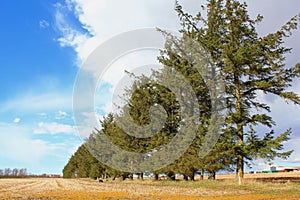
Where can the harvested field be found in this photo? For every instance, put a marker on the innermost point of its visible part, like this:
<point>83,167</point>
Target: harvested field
<point>57,188</point>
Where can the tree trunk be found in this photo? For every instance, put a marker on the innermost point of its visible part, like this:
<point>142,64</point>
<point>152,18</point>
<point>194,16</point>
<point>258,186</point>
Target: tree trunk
<point>185,177</point>
<point>240,132</point>
<point>171,176</point>
<point>131,176</point>
<point>156,177</point>
<point>124,176</point>
<point>212,176</point>
<point>240,169</point>
<point>240,158</point>
<point>202,174</point>
<point>141,176</point>
<point>192,177</point>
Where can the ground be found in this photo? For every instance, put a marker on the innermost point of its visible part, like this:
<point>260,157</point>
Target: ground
<point>269,186</point>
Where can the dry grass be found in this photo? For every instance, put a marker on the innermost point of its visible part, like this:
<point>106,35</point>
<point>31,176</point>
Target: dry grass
<point>263,175</point>
<point>87,189</point>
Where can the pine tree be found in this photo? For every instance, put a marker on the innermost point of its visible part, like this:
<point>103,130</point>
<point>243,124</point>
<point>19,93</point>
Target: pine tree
<point>249,64</point>
<point>83,164</point>
<point>70,168</point>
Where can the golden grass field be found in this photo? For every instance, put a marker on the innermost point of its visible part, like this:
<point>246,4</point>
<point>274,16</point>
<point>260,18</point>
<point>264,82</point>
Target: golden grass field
<point>225,188</point>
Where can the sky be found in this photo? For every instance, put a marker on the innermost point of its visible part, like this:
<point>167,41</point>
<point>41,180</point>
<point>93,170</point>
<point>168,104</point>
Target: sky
<point>43,45</point>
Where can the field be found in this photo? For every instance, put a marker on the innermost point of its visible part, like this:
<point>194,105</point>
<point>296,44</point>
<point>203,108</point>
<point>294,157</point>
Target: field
<point>268,186</point>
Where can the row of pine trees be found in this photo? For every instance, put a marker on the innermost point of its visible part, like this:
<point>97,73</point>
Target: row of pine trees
<point>247,64</point>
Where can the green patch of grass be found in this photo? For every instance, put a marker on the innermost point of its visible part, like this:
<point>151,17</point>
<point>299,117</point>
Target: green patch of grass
<point>253,187</point>
<point>226,186</point>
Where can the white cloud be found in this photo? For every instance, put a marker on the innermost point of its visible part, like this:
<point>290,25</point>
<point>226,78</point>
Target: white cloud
<point>53,128</point>
<point>17,120</point>
<point>103,19</point>
<point>258,165</point>
<point>282,11</point>
<point>86,123</point>
<point>285,114</point>
<point>17,145</point>
<point>44,24</point>
<point>70,35</point>
<point>42,114</point>
<point>293,144</point>
<point>73,149</point>
<point>37,102</point>
<point>61,115</point>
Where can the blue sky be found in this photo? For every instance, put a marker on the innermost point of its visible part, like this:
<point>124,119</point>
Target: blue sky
<point>37,76</point>
<point>43,45</point>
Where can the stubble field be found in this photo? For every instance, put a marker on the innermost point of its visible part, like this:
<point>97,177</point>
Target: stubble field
<point>283,186</point>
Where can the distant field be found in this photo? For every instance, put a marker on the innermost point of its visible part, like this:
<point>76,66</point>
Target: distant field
<point>55,188</point>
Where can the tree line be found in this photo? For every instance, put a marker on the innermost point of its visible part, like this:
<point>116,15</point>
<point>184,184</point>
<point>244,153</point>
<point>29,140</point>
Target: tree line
<point>23,173</point>
<point>226,40</point>
<point>15,172</point>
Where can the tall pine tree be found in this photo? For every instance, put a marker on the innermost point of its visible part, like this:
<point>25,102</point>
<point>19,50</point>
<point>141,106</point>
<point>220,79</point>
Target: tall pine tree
<point>249,64</point>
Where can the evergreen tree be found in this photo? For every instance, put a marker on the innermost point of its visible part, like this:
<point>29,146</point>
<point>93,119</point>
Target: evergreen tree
<point>249,64</point>
<point>70,168</point>
<point>83,164</point>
